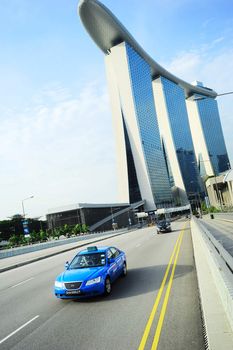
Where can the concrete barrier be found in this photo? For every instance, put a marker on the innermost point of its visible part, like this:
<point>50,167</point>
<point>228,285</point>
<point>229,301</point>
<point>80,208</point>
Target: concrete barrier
<point>215,280</point>
<point>6,253</point>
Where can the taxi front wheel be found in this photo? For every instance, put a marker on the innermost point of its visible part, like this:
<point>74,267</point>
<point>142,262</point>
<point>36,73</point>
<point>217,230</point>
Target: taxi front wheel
<point>124,270</point>
<point>107,286</point>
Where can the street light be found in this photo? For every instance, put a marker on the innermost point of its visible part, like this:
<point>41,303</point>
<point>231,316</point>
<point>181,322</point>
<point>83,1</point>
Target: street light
<point>218,95</point>
<point>23,204</point>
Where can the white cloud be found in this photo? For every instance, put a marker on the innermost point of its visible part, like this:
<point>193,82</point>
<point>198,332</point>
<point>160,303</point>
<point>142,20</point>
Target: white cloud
<point>60,150</point>
<point>185,65</point>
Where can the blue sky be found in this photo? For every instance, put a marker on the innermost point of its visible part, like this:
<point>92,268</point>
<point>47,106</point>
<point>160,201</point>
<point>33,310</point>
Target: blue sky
<point>55,120</point>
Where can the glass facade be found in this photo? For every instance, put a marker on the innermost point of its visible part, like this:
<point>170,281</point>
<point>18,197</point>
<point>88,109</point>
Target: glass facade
<point>92,215</point>
<point>178,118</point>
<point>168,165</point>
<point>134,190</point>
<point>140,75</point>
<point>212,129</point>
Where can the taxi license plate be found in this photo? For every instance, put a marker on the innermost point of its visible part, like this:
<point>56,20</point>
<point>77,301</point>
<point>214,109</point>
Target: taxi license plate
<point>73,292</point>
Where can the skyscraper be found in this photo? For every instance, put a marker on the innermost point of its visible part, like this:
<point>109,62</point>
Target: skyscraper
<point>209,143</point>
<point>144,174</point>
<point>176,134</point>
<point>155,149</point>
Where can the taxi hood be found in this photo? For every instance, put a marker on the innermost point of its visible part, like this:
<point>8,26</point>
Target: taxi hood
<point>81,274</point>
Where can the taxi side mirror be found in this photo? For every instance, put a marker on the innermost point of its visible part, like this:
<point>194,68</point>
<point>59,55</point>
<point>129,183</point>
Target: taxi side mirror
<point>67,265</point>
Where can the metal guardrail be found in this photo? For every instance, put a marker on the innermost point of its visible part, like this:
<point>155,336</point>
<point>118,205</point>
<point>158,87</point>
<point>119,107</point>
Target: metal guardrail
<point>225,256</point>
<point>215,281</point>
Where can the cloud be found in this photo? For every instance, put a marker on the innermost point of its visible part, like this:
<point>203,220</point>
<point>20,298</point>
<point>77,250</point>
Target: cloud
<point>185,65</point>
<point>61,150</point>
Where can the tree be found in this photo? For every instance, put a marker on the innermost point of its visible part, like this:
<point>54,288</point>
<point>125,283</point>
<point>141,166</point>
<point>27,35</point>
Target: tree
<point>16,240</point>
<point>43,235</point>
<point>85,228</point>
<point>76,229</point>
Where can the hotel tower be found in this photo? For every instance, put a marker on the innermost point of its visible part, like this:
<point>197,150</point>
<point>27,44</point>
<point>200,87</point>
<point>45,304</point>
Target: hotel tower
<point>161,123</point>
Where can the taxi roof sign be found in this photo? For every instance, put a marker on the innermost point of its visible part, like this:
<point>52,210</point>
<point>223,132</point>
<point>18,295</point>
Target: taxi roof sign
<point>92,248</point>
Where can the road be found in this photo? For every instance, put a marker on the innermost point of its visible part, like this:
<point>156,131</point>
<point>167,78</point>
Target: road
<point>222,230</point>
<point>32,318</point>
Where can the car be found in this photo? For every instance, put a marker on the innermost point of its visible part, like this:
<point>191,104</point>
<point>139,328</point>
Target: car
<point>163,226</point>
<point>91,272</point>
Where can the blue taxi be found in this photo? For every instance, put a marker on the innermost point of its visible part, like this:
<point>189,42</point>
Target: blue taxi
<point>91,272</point>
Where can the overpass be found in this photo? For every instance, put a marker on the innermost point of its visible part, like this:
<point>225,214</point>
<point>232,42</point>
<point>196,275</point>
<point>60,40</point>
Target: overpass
<point>133,300</point>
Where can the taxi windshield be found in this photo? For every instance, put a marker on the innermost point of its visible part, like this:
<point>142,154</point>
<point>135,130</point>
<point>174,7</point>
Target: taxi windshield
<point>88,260</point>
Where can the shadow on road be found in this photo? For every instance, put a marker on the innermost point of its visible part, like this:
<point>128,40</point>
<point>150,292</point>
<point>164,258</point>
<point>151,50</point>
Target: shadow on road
<point>139,281</point>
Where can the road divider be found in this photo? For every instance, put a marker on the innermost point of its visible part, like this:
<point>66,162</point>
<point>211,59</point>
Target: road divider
<point>174,256</point>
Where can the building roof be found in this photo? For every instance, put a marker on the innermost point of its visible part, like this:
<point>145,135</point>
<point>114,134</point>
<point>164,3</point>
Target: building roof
<point>86,205</point>
<point>107,31</point>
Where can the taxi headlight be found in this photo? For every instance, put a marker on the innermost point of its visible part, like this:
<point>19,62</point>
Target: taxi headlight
<point>59,284</point>
<point>93,281</point>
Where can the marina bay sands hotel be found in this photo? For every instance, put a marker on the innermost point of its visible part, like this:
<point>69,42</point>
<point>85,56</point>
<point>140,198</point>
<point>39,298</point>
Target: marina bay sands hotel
<point>168,132</point>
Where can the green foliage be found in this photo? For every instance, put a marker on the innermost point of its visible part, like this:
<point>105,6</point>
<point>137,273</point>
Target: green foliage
<point>34,237</point>
<point>204,207</point>
<point>44,235</point>
<point>76,230</point>
<point>57,232</point>
<point>84,228</point>
<point>213,210</point>
<point>16,240</point>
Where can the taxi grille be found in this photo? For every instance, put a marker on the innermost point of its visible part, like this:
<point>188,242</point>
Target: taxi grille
<point>73,285</point>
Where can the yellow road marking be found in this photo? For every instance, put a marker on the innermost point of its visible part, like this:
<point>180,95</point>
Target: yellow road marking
<point>164,307</point>
<point>154,309</point>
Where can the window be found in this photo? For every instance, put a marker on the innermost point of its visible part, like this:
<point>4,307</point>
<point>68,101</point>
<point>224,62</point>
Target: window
<point>88,260</point>
<point>115,252</point>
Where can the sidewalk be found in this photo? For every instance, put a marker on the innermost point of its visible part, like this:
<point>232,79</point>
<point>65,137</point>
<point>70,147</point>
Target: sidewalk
<point>24,259</point>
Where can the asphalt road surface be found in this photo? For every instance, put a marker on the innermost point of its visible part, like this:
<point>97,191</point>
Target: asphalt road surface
<point>155,307</point>
<point>222,230</point>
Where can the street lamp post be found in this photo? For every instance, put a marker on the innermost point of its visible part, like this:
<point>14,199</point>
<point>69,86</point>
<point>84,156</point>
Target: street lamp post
<point>23,204</point>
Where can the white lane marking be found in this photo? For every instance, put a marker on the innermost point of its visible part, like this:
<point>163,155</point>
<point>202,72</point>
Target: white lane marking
<point>18,284</point>
<point>18,329</point>
<point>138,245</point>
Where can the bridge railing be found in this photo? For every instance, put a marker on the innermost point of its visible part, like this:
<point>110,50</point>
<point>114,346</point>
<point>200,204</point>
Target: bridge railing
<point>220,263</point>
